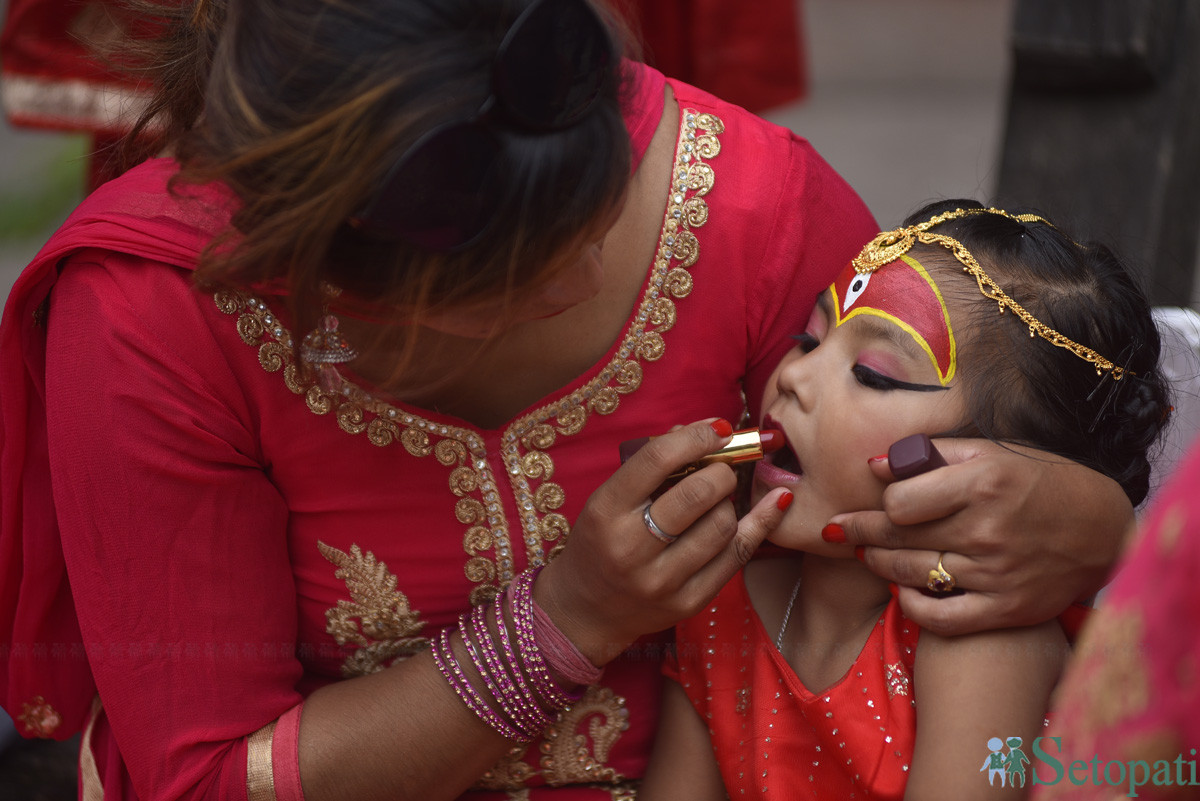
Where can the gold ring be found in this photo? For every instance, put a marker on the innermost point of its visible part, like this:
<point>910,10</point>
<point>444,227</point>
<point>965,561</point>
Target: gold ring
<point>939,579</point>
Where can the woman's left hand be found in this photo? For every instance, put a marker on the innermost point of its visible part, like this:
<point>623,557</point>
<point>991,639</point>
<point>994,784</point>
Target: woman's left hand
<point>1023,533</point>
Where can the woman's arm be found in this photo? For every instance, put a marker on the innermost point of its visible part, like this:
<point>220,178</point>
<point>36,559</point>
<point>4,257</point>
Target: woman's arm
<point>682,764</point>
<point>975,694</point>
<point>612,583</point>
<point>988,511</point>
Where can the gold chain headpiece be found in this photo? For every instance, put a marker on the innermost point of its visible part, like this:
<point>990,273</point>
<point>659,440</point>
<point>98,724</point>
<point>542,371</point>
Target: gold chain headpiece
<point>891,245</point>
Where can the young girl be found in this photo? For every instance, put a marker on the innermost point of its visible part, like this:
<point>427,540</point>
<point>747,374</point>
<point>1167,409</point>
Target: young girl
<point>803,678</point>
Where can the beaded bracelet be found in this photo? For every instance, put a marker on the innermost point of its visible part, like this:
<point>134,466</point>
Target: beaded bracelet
<point>522,708</point>
<point>521,605</point>
<point>450,669</point>
<point>527,697</point>
<point>513,697</point>
<point>500,691</point>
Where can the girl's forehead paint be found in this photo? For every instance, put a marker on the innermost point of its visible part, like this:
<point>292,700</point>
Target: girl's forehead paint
<point>903,293</point>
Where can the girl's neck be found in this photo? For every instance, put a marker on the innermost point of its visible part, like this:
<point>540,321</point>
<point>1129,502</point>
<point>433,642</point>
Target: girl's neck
<point>837,605</point>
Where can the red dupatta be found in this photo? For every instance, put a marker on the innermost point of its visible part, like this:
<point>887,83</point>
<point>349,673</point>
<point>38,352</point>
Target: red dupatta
<point>45,680</point>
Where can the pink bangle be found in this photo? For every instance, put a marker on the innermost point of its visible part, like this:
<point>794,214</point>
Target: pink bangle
<point>514,698</point>
<point>496,691</point>
<point>525,694</point>
<point>537,716</point>
<point>560,653</point>
<point>521,600</point>
<point>448,665</point>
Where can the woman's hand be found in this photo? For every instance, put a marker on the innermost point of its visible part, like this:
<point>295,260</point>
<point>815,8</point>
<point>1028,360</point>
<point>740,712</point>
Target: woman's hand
<point>1023,533</point>
<point>616,580</point>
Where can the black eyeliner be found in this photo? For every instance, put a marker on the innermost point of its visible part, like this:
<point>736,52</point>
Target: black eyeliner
<point>896,383</point>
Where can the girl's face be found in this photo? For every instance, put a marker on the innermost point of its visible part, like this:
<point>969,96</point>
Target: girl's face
<point>876,363</point>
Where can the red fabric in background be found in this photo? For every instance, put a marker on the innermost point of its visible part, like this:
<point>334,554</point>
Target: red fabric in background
<point>745,53</point>
<point>749,54</point>
<point>47,38</point>
<point>1130,694</point>
<point>54,78</point>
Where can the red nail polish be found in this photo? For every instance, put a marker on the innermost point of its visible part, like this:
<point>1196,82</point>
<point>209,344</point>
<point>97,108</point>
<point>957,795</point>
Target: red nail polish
<point>785,500</point>
<point>860,553</point>
<point>876,459</point>
<point>833,533</point>
<point>893,589</point>
<point>723,428</point>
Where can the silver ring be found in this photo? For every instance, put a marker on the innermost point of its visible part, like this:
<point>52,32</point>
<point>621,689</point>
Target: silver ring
<point>658,533</point>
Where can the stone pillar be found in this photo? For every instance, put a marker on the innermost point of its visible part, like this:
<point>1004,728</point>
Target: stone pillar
<point>1103,129</point>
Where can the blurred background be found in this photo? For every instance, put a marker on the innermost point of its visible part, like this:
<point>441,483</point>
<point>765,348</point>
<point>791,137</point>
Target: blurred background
<point>907,100</point>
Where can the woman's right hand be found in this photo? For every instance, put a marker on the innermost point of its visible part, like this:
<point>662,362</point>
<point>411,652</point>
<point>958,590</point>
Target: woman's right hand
<point>615,580</point>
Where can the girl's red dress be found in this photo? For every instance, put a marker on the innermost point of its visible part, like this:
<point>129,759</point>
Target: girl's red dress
<point>773,737</point>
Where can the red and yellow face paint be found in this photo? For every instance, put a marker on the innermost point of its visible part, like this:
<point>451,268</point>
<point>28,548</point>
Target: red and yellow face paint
<point>903,293</point>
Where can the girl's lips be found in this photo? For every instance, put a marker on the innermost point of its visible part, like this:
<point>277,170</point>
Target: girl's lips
<point>774,476</point>
<point>781,456</point>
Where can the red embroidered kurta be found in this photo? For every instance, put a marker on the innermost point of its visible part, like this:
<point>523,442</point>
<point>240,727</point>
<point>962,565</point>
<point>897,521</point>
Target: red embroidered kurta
<point>234,540</point>
<point>773,737</point>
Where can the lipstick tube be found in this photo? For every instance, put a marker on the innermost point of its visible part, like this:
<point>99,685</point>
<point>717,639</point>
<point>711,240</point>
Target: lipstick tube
<point>748,445</point>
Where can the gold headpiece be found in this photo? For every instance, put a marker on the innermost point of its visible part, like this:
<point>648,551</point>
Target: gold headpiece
<point>891,245</point>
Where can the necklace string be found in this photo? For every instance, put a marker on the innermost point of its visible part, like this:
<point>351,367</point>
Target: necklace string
<point>787,615</point>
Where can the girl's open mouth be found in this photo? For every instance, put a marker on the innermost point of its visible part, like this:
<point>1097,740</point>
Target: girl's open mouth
<point>782,466</point>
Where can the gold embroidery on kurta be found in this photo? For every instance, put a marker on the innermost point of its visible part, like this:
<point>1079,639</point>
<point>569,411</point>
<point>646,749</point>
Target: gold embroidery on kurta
<point>544,527</point>
<point>526,442</point>
<point>510,773</point>
<point>378,617</point>
<point>574,748</point>
<point>537,432</point>
<point>460,449</point>
<point>897,679</point>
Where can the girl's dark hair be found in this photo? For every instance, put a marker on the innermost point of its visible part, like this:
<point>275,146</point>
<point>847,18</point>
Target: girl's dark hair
<point>302,106</point>
<point>1026,390</point>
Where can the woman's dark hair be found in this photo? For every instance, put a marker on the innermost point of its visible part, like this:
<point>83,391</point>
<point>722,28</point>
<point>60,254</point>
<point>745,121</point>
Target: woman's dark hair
<point>302,106</point>
<point>1026,390</point>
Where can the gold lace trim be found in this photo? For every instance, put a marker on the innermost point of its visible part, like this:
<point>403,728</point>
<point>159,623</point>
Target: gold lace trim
<point>471,478</point>
<point>260,764</point>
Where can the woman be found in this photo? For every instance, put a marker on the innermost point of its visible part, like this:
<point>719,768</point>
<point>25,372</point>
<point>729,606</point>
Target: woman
<point>354,358</point>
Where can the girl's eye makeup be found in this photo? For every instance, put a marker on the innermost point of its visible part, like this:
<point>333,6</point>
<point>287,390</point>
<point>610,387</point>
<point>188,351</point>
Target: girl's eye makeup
<point>806,342</point>
<point>872,379</point>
